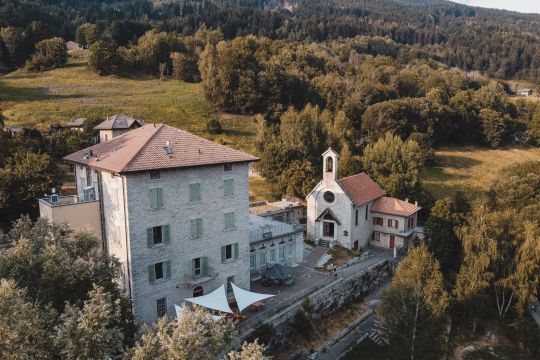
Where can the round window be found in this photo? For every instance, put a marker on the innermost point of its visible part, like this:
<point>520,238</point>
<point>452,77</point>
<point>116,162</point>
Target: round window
<point>329,197</point>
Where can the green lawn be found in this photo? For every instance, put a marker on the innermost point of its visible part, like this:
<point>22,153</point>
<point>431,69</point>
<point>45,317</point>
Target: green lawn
<point>470,169</point>
<point>74,91</point>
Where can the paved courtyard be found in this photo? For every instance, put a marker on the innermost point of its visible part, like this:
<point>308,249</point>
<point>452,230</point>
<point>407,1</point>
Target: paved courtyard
<point>306,280</point>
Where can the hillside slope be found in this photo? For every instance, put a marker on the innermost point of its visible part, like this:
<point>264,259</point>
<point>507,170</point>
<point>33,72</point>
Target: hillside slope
<point>58,95</point>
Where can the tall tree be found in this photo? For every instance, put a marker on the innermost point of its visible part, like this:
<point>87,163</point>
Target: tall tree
<point>26,330</point>
<point>195,335</point>
<point>93,331</point>
<point>413,308</point>
<point>442,240</point>
<point>395,165</point>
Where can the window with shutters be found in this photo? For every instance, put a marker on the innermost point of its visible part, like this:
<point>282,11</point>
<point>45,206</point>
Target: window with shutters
<point>195,193</point>
<point>227,167</point>
<point>157,235</point>
<point>252,261</point>
<point>290,248</point>
<point>229,252</point>
<point>393,223</point>
<point>378,221</point>
<point>228,221</point>
<point>159,271</point>
<point>196,228</point>
<point>228,187</point>
<point>376,236</point>
<point>154,175</point>
<point>262,259</point>
<point>161,305</point>
<point>156,198</point>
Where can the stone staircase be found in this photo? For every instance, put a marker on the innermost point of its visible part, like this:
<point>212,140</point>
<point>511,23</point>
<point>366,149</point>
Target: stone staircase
<point>377,334</point>
<point>324,243</point>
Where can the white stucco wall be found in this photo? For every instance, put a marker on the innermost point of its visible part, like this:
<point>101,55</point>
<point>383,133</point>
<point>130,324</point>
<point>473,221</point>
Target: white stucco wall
<point>177,212</point>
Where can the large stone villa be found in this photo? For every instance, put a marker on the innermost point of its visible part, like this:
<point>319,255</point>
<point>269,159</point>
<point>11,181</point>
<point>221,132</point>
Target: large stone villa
<point>171,206</point>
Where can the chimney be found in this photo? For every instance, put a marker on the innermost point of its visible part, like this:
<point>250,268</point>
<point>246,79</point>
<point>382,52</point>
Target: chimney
<point>406,199</point>
<point>91,153</point>
<point>416,203</point>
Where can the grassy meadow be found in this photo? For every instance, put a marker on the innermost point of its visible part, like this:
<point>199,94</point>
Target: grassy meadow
<point>73,91</point>
<point>470,169</point>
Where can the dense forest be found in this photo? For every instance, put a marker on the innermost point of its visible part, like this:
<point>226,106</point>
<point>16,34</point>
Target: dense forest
<point>499,43</point>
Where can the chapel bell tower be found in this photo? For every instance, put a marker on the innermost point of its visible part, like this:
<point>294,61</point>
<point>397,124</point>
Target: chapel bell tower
<point>330,165</point>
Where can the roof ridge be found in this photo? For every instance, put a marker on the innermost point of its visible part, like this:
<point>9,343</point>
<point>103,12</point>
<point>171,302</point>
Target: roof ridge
<point>350,176</point>
<point>159,127</point>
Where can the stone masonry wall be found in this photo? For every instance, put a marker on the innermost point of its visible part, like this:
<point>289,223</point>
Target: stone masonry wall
<point>327,301</point>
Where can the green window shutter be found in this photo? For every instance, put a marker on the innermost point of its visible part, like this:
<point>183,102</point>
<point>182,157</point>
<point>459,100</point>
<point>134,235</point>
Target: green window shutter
<point>193,267</point>
<point>149,237</point>
<point>159,198</point>
<point>167,269</point>
<point>151,274</point>
<point>232,222</point>
<point>153,199</point>
<point>226,221</point>
<point>194,228</point>
<point>235,251</point>
<point>166,233</point>
<point>228,187</point>
<point>199,227</point>
<point>223,254</point>
<point>194,192</point>
<point>204,266</point>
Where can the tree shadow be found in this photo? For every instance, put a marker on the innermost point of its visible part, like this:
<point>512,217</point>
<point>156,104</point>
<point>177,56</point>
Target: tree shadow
<point>11,93</point>
<point>455,161</point>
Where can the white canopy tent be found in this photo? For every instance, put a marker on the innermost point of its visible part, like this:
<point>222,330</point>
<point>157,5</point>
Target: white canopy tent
<point>245,298</point>
<point>216,300</point>
<point>178,310</point>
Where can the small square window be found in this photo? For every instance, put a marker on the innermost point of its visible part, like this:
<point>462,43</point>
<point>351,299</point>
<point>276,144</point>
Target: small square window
<point>158,268</point>
<point>161,305</point>
<point>227,167</point>
<point>194,192</point>
<point>155,175</point>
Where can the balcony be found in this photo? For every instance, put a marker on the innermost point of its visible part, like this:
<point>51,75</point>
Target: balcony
<point>69,209</point>
<point>190,280</point>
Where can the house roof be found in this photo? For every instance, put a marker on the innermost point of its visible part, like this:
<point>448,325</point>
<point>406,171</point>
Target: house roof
<point>156,147</point>
<point>393,206</point>
<point>118,122</point>
<point>75,123</point>
<point>360,188</point>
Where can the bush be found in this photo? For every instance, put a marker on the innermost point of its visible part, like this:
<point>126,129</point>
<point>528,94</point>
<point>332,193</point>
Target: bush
<point>214,127</point>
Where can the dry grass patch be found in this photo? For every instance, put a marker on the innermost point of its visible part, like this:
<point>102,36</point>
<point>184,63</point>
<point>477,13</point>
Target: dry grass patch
<point>471,169</point>
<point>58,95</point>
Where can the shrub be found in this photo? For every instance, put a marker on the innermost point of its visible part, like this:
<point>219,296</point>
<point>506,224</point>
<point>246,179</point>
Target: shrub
<point>214,127</point>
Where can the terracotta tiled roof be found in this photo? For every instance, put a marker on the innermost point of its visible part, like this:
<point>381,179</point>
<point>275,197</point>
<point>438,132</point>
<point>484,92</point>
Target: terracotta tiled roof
<point>393,206</point>
<point>360,188</point>
<point>117,122</point>
<point>143,149</point>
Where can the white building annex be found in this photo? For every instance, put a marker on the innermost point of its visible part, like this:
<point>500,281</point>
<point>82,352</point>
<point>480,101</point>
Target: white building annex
<point>172,207</point>
<point>354,212</point>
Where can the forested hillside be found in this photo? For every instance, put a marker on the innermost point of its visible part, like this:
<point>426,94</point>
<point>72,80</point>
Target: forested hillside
<point>500,43</point>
